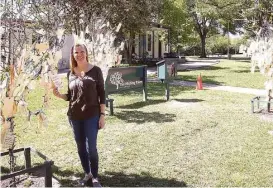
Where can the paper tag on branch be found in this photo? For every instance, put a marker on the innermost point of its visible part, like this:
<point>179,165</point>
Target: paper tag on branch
<point>42,120</point>
<point>56,81</point>
<point>9,107</point>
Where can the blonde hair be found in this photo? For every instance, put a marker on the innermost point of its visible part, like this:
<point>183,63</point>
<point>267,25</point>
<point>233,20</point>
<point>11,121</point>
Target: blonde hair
<point>73,62</point>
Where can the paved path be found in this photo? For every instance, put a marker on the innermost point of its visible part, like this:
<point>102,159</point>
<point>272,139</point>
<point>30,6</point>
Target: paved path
<point>195,64</point>
<point>192,64</point>
<point>259,92</point>
<point>222,88</point>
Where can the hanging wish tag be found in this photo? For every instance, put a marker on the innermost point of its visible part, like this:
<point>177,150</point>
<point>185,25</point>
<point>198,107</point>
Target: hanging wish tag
<point>56,81</point>
<point>9,107</point>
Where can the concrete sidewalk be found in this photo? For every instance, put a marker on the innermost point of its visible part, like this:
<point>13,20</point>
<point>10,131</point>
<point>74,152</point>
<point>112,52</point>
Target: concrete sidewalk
<point>189,65</point>
<point>256,92</point>
<point>195,64</point>
<point>192,65</point>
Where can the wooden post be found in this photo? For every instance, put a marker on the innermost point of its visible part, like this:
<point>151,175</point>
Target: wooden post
<point>167,77</point>
<point>111,107</point>
<point>268,105</point>
<point>269,101</point>
<point>48,173</point>
<point>106,93</point>
<point>258,102</point>
<point>27,158</point>
<point>106,102</point>
<point>145,83</point>
<point>252,105</point>
<point>167,90</point>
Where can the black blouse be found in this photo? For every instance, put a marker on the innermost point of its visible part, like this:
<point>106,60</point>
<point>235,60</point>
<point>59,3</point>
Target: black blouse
<point>85,94</point>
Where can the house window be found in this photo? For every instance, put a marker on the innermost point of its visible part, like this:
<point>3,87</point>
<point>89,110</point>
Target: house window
<point>149,42</point>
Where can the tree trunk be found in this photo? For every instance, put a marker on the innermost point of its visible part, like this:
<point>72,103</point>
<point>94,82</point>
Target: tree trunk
<point>126,52</point>
<point>129,47</point>
<point>203,46</point>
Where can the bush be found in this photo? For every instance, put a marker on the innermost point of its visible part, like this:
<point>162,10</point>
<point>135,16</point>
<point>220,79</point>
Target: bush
<point>217,44</point>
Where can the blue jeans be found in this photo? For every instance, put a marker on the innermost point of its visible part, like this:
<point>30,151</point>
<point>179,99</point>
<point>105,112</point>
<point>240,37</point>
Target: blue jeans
<point>85,133</point>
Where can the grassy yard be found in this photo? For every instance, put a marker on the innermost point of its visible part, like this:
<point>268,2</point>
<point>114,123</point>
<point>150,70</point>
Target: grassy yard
<point>228,72</point>
<point>198,138</point>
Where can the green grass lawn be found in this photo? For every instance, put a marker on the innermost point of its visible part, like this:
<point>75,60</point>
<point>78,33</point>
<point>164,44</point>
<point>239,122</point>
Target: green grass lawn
<point>227,72</point>
<point>198,138</point>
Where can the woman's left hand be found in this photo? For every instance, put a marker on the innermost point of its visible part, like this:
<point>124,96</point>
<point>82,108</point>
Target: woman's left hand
<point>101,122</point>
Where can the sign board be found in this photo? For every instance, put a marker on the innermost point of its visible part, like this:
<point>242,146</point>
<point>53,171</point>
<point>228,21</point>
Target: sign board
<point>125,78</point>
<point>165,70</point>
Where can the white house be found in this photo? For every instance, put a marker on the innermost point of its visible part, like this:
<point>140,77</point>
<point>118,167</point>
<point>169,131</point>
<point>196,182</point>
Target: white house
<point>149,43</point>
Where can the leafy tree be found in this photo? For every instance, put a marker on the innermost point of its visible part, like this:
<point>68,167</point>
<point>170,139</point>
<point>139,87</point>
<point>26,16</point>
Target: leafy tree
<point>255,15</point>
<point>175,15</point>
<point>135,16</point>
<point>206,18</point>
<point>217,44</point>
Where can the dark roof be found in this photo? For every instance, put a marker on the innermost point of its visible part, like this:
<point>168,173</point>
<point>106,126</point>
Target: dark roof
<point>158,25</point>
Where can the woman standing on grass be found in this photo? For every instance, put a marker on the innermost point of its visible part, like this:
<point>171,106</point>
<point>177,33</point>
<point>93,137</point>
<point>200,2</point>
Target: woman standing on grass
<point>86,110</point>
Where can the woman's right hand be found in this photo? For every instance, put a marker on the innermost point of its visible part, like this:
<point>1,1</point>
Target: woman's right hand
<point>56,92</point>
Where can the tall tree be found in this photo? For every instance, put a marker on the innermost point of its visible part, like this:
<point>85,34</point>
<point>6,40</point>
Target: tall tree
<point>135,16</point>
<point>175,15</point>
<point>256,14</point>
<point>206,17</point>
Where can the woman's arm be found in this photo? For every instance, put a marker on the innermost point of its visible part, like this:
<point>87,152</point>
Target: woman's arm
<point>59,95</point>
<point>101,95</point>
<point>100,90</point>
<point>102,116</point>
<point>102,109</point>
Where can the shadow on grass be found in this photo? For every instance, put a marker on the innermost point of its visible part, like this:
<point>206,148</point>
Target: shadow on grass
<point>212,68</point>
<point>242,59</point>
<point>158,89</point>
<point>205,67</point>
<point>4,170</point>
<point>225,57</point>
<point>141,104</point>
<point>142,117</point>
<point>125,93</point>
<point>69,178</point>
<point>119,179</point>
<point>154,90</point>
<point>246,70</point>
<point>193,78</point>
<point>188,100</point>
<point>243,71</point>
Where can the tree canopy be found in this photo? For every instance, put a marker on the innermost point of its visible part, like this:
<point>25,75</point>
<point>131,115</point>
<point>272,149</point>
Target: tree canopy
<point>207,17</point>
